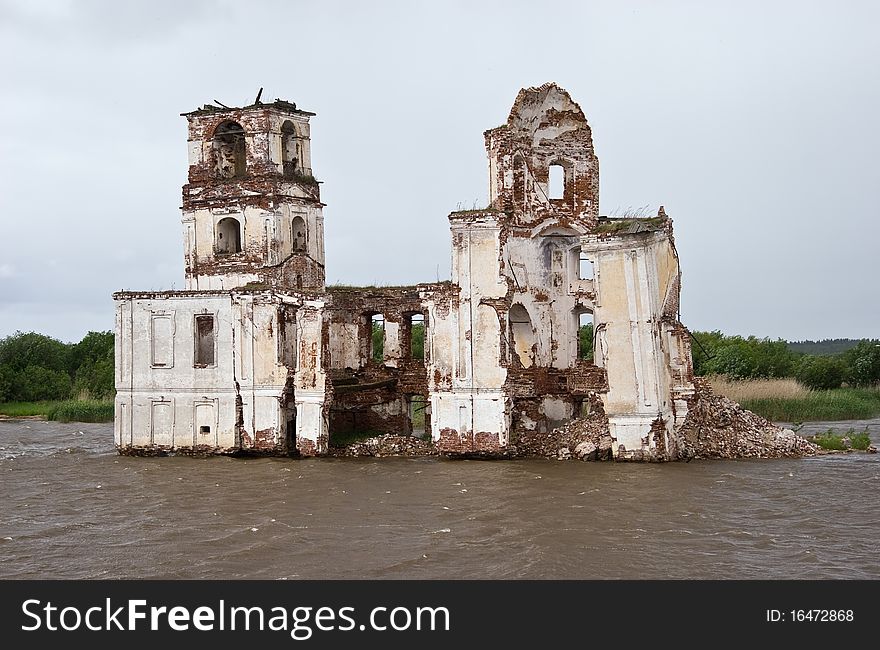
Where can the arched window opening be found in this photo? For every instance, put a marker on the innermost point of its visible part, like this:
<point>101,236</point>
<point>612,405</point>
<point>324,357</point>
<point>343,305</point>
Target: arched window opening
<point>228,236</point>
<point>299,234</point>
<point>557,182</point>
<point>290,155</point>
<point>230,157</point>
<point>585,336</point>
<point>523,334</point>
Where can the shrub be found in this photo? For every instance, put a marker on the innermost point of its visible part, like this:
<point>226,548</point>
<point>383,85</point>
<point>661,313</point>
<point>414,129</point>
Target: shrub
<point>24,349</point>
<point>863,363</point>
<point>36,383</point>
<point>832,440</point>
<point>820,373</point>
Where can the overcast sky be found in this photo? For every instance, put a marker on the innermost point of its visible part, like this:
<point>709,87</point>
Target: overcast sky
<point>754,123</point>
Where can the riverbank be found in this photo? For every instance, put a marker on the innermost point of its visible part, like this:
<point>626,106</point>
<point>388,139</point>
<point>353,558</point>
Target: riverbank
<point>59,411</point>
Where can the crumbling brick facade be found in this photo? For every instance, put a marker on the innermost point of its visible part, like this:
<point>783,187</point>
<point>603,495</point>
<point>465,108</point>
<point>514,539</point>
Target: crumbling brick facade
<point>258,356</point>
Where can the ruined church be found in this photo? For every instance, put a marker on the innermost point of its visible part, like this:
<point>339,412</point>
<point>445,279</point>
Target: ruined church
<point>258,355</point>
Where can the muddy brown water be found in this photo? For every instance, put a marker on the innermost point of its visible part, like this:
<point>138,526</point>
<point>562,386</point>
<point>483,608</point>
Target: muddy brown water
<point>72,508</point>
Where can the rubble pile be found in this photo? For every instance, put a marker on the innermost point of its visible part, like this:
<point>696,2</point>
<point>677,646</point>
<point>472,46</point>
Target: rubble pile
<point>717,427</point>
<point>585,438</point>
<point>386,445</point>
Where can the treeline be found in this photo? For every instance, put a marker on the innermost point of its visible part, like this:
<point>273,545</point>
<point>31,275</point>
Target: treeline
<point>35,367</point>
<point>825,346</point>
<point>737,357</point>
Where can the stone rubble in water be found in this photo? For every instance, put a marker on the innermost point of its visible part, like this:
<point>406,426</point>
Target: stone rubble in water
<point>715,427</point>
<point>585,438</point>
<point>718,427</point>
<point>386,445</point>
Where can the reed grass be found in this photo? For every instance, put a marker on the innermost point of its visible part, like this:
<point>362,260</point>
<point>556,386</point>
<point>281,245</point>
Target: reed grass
<point>785,400</point>
<point>62,411</point>
<point>82,411</point>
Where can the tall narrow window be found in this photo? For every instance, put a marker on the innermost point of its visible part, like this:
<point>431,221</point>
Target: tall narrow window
<point>228,236</point>
<point>289,149</point>
<point>417,415</point>
<point>585,336</point>
<point>204,341</point>
<point>299,234</point>
<point>377,337</point>
<point>519,181</point>
<point>557,182</point>
<point>417,336</point>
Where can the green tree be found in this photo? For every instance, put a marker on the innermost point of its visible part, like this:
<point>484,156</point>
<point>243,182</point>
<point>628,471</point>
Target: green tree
<point>91,362</point>
<point>93,347</point>
<point>35,383</point>
<point>820,373</point>
<point>741,358</point>
<point>863,363</point>
<point>24,349</point>
<point>7,382</point>
<point>585,341</point>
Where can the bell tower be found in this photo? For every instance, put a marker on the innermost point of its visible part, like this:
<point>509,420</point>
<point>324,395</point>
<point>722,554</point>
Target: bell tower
<point>252,211</point>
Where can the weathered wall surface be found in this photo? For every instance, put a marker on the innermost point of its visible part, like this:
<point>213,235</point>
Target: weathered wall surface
<point>242,399</point>
<point>163,399</point>
<point>252,210</point>
<point>637,337</point>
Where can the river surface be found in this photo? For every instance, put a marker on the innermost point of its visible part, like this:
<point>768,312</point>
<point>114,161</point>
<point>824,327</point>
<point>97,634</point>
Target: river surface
<point>71,508</point>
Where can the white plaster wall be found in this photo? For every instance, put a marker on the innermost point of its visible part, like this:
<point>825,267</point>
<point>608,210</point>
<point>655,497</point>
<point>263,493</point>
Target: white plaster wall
<point>144,390</point>
<point>469,412</point>
<point>168,405</point>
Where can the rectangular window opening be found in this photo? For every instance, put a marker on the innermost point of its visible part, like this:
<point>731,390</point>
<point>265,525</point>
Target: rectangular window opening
<point>582,408</point>
<point>417,336</point>
<point>204,429</point>
<point>585,269</point>
<point>204,343</point>
<point>585,336</point>
<point>417,404</point>
<point>377,337</point>
<point>557,182</point>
